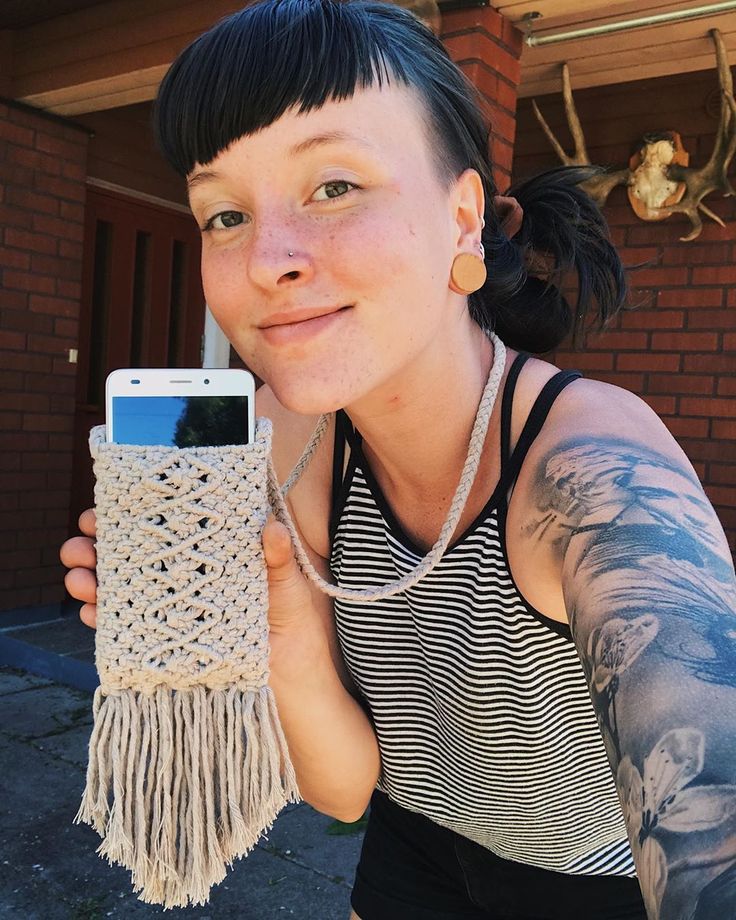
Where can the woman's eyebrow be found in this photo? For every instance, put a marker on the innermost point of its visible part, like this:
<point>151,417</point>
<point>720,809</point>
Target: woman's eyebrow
<point>202,176</point>
<point>329,137</point>
<point>309,143</point>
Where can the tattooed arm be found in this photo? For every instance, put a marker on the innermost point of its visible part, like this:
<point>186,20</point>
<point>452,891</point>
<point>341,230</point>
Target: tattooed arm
<point>650,593</point>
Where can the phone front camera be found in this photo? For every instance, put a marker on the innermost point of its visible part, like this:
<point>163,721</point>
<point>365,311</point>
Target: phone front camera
<point>206,379</point>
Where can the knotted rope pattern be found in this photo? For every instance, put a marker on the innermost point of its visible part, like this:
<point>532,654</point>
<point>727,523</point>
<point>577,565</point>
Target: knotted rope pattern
<point>188,764</point>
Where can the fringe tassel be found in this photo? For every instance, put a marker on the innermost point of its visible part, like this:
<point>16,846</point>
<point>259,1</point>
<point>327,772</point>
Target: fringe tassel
<point>180,783</point>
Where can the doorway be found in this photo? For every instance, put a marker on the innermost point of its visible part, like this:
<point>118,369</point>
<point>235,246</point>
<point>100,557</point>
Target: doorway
<point>142,306</point>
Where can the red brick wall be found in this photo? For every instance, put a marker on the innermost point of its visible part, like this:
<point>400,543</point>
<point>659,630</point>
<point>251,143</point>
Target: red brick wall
<point>42,190</point>
<point>487,48</point>
<point>677,349</point>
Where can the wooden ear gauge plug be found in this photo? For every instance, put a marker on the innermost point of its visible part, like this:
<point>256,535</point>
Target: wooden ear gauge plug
<point>468,272</point>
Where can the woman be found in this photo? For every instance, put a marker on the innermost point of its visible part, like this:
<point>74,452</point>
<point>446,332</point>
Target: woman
<point>337,165</point>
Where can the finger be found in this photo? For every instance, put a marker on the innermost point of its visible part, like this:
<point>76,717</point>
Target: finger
<point>88,615</point>
<point>88,522</point>
<point>78,551</point>
<point>81,583</point>
<point>286,580</point>
<point>278,550</point>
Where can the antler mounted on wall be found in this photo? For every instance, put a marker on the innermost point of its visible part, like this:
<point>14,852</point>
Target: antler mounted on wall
<point>660,183</point>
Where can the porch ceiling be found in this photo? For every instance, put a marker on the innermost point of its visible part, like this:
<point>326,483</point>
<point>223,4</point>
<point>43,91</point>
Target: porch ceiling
<point>654,51</point>
<point>78,56</point>
<point>16,14</point>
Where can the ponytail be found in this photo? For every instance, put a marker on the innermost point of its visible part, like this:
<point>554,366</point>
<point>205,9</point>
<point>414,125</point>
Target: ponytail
<point>563,231</point>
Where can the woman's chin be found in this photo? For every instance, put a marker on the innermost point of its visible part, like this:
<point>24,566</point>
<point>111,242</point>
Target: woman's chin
<point>306,400</point>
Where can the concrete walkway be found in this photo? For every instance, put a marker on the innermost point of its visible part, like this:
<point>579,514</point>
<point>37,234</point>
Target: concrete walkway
<point>49,869</point>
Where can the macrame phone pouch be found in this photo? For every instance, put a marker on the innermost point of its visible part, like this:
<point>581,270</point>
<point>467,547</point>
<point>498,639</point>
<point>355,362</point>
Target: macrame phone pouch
<point>188,764</point>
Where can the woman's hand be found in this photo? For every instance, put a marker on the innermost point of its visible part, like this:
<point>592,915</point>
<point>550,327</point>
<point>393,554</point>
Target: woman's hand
<point>337,767</point>
<point>289,594</point>
<point>79,556</point>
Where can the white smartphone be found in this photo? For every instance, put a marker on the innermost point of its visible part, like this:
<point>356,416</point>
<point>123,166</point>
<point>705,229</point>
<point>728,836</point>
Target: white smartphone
<point>180,407</point>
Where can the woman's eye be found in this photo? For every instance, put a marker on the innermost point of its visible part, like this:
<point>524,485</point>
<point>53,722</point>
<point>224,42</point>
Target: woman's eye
<point>224,220</point>
<point>335,189</point>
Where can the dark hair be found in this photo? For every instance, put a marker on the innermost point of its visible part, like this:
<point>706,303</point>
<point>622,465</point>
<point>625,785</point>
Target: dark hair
<point>246,71</point>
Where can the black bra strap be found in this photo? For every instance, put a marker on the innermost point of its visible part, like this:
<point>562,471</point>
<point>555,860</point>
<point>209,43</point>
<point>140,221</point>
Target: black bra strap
<point>344,432</point>
<point>537,417</point>
<point>507,405</point>
<point>338,461</point>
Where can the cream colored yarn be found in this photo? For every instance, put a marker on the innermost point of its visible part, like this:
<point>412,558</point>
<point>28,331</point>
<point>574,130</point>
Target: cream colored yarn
<point>187,760</point>
<point>467,477</point>
<point>188,764</point>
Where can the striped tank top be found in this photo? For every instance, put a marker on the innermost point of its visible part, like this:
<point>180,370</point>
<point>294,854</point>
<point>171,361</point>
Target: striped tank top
<point>479,701</point>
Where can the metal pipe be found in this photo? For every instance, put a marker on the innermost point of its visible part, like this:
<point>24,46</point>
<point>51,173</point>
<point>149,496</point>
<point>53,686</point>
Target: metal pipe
<point>626,24</point>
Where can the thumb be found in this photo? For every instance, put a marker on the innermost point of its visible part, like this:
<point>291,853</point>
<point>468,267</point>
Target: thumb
<point>279,552</point>
<point>289,593</point>
<point>277,547</point>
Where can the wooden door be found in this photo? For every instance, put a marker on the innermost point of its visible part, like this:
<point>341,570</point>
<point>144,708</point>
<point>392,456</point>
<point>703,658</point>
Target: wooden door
<point>142,306</point>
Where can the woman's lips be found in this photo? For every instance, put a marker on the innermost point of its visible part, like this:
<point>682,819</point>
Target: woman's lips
<point>288,333</point>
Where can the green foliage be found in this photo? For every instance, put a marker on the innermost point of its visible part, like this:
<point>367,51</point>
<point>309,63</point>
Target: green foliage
<point>345,829</point>
<point>212,421</point>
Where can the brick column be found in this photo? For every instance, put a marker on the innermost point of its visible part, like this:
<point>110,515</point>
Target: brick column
<point>487,47</point>
<point>42,191</point>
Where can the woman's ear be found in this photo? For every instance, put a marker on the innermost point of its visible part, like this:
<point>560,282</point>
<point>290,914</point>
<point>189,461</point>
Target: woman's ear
<point>469,204</point>
<point>468,272</point>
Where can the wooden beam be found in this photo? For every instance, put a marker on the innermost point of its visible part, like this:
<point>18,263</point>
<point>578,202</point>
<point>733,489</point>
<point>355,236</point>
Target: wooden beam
<point>552,83</point>
<point>655,41</point>
<point>110,54</point>
<point>106,93</point>
<point>585,12</point>
<point>115,53</point>
<point>623,65</point>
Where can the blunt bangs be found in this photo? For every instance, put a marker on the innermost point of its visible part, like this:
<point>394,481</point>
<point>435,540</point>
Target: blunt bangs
<point>245,72</point>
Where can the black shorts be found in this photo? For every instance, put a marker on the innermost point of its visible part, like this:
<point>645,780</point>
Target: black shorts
<point>413,869</point>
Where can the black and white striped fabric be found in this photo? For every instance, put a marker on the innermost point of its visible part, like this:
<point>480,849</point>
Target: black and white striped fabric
<point>479,702</point>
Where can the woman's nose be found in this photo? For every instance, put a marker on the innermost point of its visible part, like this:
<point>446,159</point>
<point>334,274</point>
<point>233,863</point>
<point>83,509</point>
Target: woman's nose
<point>278,258</point>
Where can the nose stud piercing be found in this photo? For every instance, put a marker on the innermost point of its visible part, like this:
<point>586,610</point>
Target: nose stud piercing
<point>291,254</point>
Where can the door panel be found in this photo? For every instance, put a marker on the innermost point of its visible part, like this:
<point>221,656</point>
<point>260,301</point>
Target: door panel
<point>142,306</point>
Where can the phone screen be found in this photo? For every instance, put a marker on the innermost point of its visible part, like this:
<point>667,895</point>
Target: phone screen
<point>181,421</point>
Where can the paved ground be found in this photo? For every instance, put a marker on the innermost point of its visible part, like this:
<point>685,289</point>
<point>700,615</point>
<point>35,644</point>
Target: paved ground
<point>48,866</point>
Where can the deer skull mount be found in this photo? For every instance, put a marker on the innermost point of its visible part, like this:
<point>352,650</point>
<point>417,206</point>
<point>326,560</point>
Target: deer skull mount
<point>659,179</point>
<point>650,187</point>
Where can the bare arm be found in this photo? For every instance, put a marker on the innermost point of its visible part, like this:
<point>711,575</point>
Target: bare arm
<point>650,592</point>
<point>331,740</point>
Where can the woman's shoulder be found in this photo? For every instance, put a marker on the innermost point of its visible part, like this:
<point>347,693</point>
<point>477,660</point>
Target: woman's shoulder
<point>597,438</point>
<point>592,410</point>
<point>591,416</point>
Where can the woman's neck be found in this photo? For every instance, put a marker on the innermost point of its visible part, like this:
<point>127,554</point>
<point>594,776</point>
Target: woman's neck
<point>416,430</point>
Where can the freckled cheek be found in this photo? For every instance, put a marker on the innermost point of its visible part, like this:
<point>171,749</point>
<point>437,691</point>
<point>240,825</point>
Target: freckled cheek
<point>223,285</point>
<point>226,297</point>
<point>376,252</point>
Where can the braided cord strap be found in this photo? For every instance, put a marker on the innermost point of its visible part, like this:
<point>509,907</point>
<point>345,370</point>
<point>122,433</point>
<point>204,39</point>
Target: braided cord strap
<point>467,477</point>
<point>188,763</point>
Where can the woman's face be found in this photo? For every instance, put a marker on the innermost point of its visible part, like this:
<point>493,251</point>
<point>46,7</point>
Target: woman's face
<point>352,190</point>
